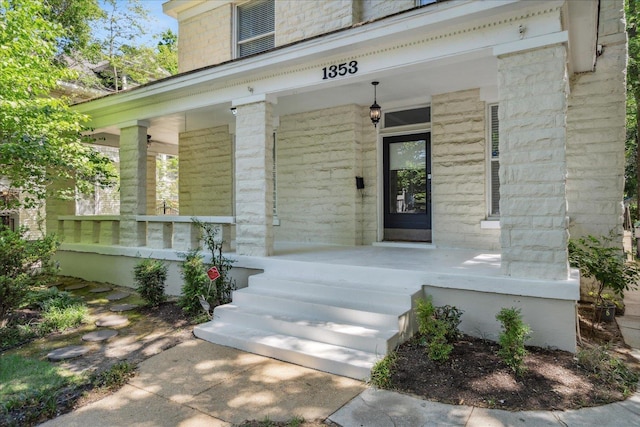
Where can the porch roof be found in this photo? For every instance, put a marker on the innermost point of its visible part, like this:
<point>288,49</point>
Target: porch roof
<point>445,47</point>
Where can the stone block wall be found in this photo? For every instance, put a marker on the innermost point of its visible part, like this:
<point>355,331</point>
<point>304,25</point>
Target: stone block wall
<point>151,185</point>
<point>533,209</point>
<point>206,39</point>
<point>459,165</point>
<point>368,226</point>
<point>374,9</point>
<point>596,133</point>
<point>298,20</point>
<point>254,179</point>
<point>206,172</point>
<point>318,159</point>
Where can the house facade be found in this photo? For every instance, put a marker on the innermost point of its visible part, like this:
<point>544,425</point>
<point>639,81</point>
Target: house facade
<point>501,135</point>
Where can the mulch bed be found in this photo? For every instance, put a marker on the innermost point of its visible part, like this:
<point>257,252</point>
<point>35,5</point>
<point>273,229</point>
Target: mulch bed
<point>475,375</point>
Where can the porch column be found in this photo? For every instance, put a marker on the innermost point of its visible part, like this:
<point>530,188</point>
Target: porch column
<point>254,178</point>
<point>151,184</point>
<point>533,90</point>
<point>133,182</point>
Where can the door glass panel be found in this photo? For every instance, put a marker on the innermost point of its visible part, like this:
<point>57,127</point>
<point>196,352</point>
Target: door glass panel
<point>407,177</point>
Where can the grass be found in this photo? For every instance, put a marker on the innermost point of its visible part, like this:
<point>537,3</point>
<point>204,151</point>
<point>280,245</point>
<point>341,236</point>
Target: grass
<point>115,377</point>
<point>24,380</point>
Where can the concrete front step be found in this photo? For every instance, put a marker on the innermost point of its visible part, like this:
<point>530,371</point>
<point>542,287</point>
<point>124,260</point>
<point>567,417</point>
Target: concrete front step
<point>319,308</point>
<point>330,358</point>
<point>350,335</point>
<point>345,291</point>
<point>341,327</point>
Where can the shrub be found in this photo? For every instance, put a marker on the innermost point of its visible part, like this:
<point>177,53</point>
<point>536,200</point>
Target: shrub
<point>23,263</point>
<point>196,282</point>
<point>194,274</point>
<point>150,275</point>
<point>382,369</point>
<point>512,338</point>
<point>439,326</point>
<point>606,263</point>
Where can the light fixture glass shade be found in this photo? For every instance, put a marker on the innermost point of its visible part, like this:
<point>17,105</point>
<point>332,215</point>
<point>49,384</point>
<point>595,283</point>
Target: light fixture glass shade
<point>374,113</point>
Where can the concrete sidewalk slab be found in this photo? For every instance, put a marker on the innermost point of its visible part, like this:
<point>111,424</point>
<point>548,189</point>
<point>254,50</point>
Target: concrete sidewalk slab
<point>382,408</point>
<point>131,406</point>
<point>482,417</point>
<point>198,383</point>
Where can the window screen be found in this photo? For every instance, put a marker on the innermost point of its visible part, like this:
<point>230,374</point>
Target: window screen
<point>256,27</point>
<point>495,160</point>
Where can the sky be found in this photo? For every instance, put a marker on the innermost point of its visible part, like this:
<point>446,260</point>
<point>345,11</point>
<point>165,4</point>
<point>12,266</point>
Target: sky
<point>162,21</point>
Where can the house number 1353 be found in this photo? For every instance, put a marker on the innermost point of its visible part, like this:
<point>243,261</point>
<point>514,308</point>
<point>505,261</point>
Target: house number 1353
<point>333,71</point>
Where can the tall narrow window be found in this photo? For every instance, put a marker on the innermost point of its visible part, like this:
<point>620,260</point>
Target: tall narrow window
<point>494,161</point>
<point>256,27</point>
<point>275,185</point>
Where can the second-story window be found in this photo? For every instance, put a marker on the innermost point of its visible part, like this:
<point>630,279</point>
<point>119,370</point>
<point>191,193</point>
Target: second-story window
<point>256,27</point>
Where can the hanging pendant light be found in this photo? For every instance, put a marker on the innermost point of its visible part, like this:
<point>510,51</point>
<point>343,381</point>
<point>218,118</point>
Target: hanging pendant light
<point>375,111</point>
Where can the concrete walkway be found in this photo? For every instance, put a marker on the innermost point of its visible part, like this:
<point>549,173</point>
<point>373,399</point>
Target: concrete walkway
<point>201,384</point>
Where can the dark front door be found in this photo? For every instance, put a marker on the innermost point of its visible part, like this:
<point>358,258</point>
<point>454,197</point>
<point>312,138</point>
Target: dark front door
<point>407,187</point>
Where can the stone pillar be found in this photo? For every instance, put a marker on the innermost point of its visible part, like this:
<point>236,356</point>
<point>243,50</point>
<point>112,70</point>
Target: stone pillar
<point>151,184</point>
<point>254,179</point>
<point>533,205</point>
<point>133,183</point>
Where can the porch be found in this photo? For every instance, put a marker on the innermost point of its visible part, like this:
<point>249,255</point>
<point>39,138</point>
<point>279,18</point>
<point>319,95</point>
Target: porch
<point>340,308</point>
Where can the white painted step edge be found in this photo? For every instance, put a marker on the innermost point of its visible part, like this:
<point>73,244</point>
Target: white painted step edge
<point>321,356</point>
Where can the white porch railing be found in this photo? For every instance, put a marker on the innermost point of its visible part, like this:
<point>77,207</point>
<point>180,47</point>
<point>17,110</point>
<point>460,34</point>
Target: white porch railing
<point>161,232</point>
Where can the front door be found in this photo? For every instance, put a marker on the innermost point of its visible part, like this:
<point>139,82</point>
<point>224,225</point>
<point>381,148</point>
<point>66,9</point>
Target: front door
<point>407,187</point>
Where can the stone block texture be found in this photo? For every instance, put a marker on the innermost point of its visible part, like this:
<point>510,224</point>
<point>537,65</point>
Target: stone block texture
<point>133,184</point>
<point>298,20</point>
<point>254,179</point>
<point>596,133</point>
<point>459,171</point>
<point>206,39</point>
<point>375,9</point>
<point>319,154</point>
<point>206,172</point>
<point>533,91</point>
<point>151,185</point>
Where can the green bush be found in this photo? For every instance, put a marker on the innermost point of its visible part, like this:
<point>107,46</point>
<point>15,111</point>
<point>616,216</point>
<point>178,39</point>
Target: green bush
<point>439,327</point>
<point>23,264</point>
<point>512,338</point>
<point>149,276</point>
<point>196,282</point>
<point>194,274</point>
<point>382,370</point>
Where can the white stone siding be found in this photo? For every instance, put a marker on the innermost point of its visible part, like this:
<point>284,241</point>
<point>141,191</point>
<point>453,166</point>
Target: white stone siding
<point>55,206</point>
<point>254,179</point>
<point>298,20</point>
<point>374,9</point>
<point>533,209</point>
<point>459,171</point>
<point>317,165</point>
<point>206,172</point>
<point>133,184</point>
<point>596,133</point>
<point>205,39</point>
<point>369,145</point>
<point>151,185</point>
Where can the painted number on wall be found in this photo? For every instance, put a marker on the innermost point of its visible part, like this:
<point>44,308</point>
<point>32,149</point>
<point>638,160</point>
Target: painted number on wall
<point>333,71</point>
